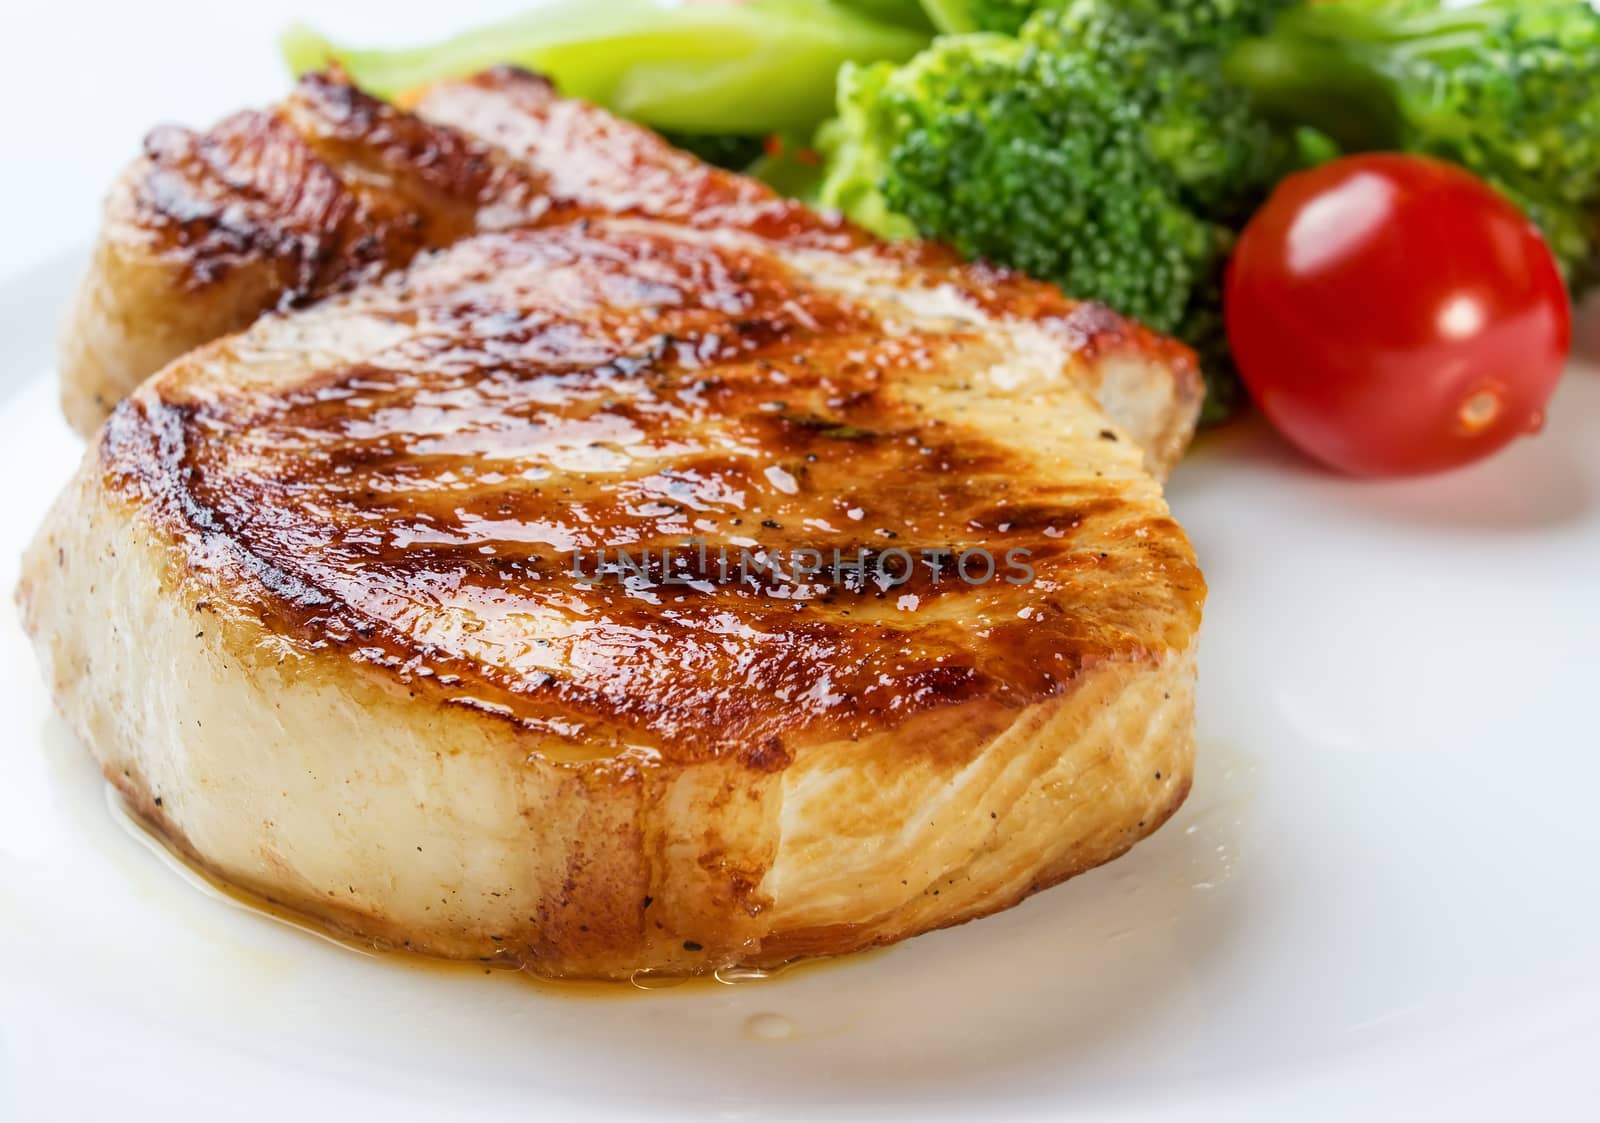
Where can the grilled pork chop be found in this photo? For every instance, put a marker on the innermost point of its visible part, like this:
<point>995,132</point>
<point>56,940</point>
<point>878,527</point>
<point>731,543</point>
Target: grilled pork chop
<point>336,601</point>
<point>278,208</point>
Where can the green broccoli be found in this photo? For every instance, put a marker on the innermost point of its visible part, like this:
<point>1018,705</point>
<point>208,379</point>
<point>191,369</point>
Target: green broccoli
<point>1100,149</point>
<point>1508,88</point>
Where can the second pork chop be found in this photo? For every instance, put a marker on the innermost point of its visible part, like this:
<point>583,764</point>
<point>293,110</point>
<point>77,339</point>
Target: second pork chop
<point>279,208</point>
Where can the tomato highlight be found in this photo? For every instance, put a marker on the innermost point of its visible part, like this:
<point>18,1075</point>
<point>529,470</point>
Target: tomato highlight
<point>1394,315</point>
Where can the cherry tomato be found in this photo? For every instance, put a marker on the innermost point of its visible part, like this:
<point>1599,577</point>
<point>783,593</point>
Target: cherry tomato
<point>1394,315</point>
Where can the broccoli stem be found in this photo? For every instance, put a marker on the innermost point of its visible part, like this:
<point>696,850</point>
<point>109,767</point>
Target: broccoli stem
<point>758,67</point>
<point>950,17</point>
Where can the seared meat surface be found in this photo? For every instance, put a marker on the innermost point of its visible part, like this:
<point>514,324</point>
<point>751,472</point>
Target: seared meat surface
<point>338,600</point>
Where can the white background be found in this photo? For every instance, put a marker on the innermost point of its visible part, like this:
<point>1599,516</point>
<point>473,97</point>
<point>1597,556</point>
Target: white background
<point>81,83</point>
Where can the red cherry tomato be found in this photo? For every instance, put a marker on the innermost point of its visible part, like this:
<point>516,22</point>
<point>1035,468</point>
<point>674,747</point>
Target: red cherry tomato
<point>1394,315</point>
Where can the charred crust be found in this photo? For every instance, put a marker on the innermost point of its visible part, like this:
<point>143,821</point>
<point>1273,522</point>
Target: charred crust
<point>768,407</point>
<point>767,756</point>
<point>332,501</point>
<point>286,197</point>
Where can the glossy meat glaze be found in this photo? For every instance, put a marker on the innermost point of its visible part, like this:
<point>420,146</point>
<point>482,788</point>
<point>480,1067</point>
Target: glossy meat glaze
<point>275,209</point>
<point>530,403</point>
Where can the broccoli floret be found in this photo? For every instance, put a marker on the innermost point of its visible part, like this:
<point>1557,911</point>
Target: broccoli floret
<point>1100,149</point>
<point>986,143</point>
<point>1193,21</point>
<point>1166,58</point>
<point>1508,88</point>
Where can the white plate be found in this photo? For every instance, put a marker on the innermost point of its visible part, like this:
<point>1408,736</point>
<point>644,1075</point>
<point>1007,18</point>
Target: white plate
<point>1382,892</point>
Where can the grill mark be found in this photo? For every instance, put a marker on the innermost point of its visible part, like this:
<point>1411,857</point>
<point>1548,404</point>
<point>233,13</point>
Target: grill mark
<point>369,533</point>
<point>251,190</point>
<point>332,189</point>
<point>371,134</point>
